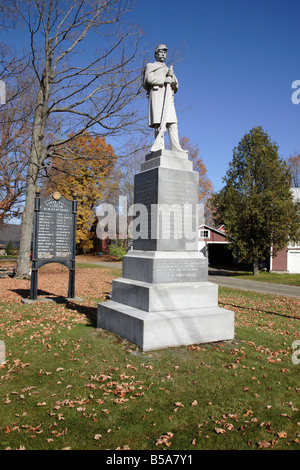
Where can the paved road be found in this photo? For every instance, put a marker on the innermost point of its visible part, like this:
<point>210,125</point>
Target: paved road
<point>108,264</point>
<point>258,286</point>
<point>223,278</point>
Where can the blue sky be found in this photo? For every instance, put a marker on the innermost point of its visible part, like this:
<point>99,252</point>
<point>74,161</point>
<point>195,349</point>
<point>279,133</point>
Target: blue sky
<point>240,60</point>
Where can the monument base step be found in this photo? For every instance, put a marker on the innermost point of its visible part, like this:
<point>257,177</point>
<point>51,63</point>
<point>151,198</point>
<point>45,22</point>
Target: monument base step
<point>164,296</point>
<point>159,330</point>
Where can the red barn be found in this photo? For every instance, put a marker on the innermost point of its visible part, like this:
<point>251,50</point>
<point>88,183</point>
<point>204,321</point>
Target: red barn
<point>213,244</point>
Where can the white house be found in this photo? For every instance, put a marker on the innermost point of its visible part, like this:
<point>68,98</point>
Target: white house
<point>288,259</point>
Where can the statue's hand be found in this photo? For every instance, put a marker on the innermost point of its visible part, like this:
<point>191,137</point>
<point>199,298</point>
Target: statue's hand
<point>169,80</point>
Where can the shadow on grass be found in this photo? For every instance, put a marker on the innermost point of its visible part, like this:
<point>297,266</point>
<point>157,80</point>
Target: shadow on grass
<point>72,304</point>
<point>256,310</point>
<point>224,271</point>
<point>89,312</point>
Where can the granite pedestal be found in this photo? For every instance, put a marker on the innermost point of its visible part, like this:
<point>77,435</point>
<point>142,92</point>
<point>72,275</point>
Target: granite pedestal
<point>164,298</point>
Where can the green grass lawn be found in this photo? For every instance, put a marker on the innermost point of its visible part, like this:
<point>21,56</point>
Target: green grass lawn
<point>264,276</point>
<point>289,279</point>
<point>69,385</point>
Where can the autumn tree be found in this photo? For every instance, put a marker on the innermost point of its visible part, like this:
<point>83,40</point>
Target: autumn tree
<point>85,174</point>
<point>294,165</point>
<point>84,60</point>
<point>15,107</point>
<point>13,149</point>
<point>256,203</point>
<point>205,185</point>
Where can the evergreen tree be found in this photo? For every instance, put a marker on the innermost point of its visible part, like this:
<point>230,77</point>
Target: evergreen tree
<point>256,203</point>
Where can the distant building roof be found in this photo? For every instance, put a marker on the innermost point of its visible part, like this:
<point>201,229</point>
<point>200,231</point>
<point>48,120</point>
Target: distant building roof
<point>10,232</point>
<point>214,229</point>
<point>296,194</point>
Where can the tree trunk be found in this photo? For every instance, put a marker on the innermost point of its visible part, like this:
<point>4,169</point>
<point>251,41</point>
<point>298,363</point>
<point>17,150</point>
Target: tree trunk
<point>23,264</point>
<point>35,161</point>
<point>255,268</point>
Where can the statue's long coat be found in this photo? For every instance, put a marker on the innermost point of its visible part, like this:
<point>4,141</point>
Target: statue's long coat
<point>154,80</point>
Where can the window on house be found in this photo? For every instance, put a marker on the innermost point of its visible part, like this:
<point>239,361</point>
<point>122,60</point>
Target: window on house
<point>204,233</point>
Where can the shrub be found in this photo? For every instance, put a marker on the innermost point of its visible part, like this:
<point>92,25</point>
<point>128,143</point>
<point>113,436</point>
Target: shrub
<point>10,248</point>
<point>117,251</point>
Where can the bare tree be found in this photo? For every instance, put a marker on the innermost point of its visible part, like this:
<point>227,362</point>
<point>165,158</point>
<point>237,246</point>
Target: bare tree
<point>15,109</point>
<point>294,166</point>
<point>14,150</point>
<point>85,61</point>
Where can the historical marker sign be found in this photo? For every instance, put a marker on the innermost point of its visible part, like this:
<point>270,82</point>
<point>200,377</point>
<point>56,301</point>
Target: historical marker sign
<point>54,237</point>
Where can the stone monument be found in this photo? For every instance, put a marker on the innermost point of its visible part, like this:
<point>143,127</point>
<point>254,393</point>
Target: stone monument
<point>164,298</point>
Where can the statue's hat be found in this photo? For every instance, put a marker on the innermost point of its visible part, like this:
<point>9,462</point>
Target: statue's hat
<point>161,47</point>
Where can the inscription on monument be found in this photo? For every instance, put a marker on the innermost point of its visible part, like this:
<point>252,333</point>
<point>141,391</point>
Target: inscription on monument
<point>179,270</point>
<point>177,189</point>
<point>174,218</point>
<point>145,191</point>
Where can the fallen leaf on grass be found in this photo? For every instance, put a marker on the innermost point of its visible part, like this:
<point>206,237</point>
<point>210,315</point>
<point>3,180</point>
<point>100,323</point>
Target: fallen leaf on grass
<point>121,400</point>
<point>165,439</point>
<point>264,444</point>
<point>100,401</point>
<point>178,405</point>
<point>229,426</point>
<point>285,415</point>
<point>220,431</point>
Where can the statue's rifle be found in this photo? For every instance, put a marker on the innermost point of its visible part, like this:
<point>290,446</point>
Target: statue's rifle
<point>164,114</point>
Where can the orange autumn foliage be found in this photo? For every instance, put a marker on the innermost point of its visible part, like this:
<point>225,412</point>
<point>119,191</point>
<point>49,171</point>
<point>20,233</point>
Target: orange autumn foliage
<point>83,170</point>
